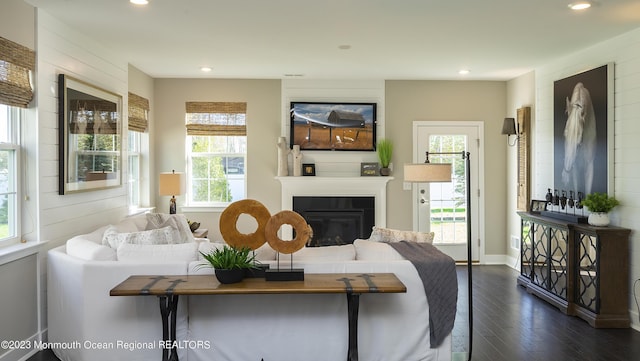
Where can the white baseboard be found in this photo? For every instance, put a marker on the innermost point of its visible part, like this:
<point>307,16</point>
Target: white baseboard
<point>501,259</point>
<point>21,354</point>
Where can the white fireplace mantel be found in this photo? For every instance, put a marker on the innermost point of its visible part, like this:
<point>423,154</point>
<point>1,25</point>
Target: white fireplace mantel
<point>338,186</point>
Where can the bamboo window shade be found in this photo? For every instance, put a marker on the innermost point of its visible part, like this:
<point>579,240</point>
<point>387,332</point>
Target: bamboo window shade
<point>216,118</point>
<point>17,64</point>
<point>138,113</point>
<point>524,158</point>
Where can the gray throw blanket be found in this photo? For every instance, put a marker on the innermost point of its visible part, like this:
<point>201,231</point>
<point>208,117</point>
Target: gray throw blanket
<point>438,274</point>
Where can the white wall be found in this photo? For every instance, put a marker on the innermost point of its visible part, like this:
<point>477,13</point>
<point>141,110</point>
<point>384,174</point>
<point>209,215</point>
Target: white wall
<point>520,93</point>
<point>339,164</point>
<point>624,51</point>
<point>62,50</point>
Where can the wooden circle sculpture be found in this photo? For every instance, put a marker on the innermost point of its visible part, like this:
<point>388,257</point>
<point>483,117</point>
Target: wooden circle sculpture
<point>229,223</point>
<point>300,226</point>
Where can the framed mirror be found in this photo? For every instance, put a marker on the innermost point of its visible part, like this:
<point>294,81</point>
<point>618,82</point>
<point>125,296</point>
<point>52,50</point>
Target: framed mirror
<point>90,137</point>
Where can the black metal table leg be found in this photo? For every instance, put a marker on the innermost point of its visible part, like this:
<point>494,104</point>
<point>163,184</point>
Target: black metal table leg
<point>168,310</point>
<point>353,305</point>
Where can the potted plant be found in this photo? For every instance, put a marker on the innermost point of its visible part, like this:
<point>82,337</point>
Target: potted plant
<point>599,204</point>
<point>229,263</point>
<point>385,150</point>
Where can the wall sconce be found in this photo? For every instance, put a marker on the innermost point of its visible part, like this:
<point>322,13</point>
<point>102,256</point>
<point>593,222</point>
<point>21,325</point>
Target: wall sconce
<point>510,128</point>
<point>172,184</point>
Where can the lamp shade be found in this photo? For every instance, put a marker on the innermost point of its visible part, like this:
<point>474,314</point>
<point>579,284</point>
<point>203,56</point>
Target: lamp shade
<point>172,184</point>
<point>509,126</point>
<point>427,172</point>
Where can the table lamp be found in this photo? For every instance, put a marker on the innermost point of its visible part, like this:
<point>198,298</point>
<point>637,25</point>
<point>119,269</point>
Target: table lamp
<point>172,184</point>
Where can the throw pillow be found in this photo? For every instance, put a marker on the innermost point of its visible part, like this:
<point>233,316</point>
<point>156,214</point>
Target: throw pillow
<point>154,236</point>
<point>176,221</point>
<point>380,234</point>
<point>375,251</point>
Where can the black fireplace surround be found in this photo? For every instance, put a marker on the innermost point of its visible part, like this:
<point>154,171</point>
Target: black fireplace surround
<point>336,220</point>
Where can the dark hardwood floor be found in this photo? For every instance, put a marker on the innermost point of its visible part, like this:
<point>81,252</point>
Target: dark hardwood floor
<point>512,325</point>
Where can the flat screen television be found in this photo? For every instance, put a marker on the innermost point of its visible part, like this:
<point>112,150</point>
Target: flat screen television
<point>333,126</point>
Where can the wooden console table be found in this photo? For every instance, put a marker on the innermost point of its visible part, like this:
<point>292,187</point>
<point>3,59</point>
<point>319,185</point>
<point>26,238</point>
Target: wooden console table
<point>580,269</point>
<point>168,288</point>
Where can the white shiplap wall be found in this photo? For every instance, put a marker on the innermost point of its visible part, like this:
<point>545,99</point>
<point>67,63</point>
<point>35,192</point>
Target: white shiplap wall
<point>624,52</point>
<point>337,164</point>
<point>60,49</point>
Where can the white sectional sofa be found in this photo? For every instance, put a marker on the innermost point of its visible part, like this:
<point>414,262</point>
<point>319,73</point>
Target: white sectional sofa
<point>85,323</point>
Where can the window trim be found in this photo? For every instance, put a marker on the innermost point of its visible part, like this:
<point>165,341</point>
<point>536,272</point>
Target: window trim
<point>17,237</point>
<point>138,154</point>
<point>189,203</point>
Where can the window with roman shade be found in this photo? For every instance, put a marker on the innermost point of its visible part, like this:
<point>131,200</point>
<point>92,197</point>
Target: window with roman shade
<point>138,113</point>
<point>17,64</point>
<point>216,155</point>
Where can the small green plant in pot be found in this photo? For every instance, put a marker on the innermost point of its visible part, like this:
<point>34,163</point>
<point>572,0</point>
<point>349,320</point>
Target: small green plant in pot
<point>599,204</point>
<point>229,263</point>
<point>385,151</point>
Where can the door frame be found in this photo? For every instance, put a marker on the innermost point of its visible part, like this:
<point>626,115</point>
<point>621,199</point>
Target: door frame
<point>477,185</point>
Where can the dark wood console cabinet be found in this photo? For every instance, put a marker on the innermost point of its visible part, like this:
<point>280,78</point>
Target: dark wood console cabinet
<point>580,269</point>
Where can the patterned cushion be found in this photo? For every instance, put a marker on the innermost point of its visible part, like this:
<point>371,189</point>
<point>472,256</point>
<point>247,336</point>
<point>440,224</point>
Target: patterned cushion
<point>393,235</point>
<point>114,239</point>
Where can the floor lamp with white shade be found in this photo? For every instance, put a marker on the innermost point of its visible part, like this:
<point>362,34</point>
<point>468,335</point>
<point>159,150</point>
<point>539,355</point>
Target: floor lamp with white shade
<point>428,172</point>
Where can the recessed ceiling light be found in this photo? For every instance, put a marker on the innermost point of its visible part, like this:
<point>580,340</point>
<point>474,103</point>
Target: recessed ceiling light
<point>139,2</point>
<point>206,69</point>
<point>580,5</point>
<point>464,71</point>
<point>344,47</point>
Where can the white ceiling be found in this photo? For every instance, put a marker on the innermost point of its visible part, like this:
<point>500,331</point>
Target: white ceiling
<point>389,39</point>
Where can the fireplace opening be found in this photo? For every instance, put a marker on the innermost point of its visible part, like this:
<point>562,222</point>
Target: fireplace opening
<point>336,220</point>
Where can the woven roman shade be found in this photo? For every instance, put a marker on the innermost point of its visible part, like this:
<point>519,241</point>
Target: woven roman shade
<point>216,118</point>
<point>138,111</point>
<point>17,64</point>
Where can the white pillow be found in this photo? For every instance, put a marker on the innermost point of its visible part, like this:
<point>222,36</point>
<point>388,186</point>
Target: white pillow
<point>182,252</point>
<point>393,235</point>
<point>175,221</point>
<point>345,252</point>
<point>114,239</point>
<point>83,248</point>
<point>375,251</point>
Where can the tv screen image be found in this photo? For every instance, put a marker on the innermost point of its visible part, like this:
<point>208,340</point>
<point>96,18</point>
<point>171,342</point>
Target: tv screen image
<point>333,126</point>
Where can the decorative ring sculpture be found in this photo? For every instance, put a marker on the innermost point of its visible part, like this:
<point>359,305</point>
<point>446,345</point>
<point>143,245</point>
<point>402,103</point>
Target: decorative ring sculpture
<point>300,226</point>
<point>229,219</point>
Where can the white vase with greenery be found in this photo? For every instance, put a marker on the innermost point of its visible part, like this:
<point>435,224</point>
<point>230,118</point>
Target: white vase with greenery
<point>599,204</point>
